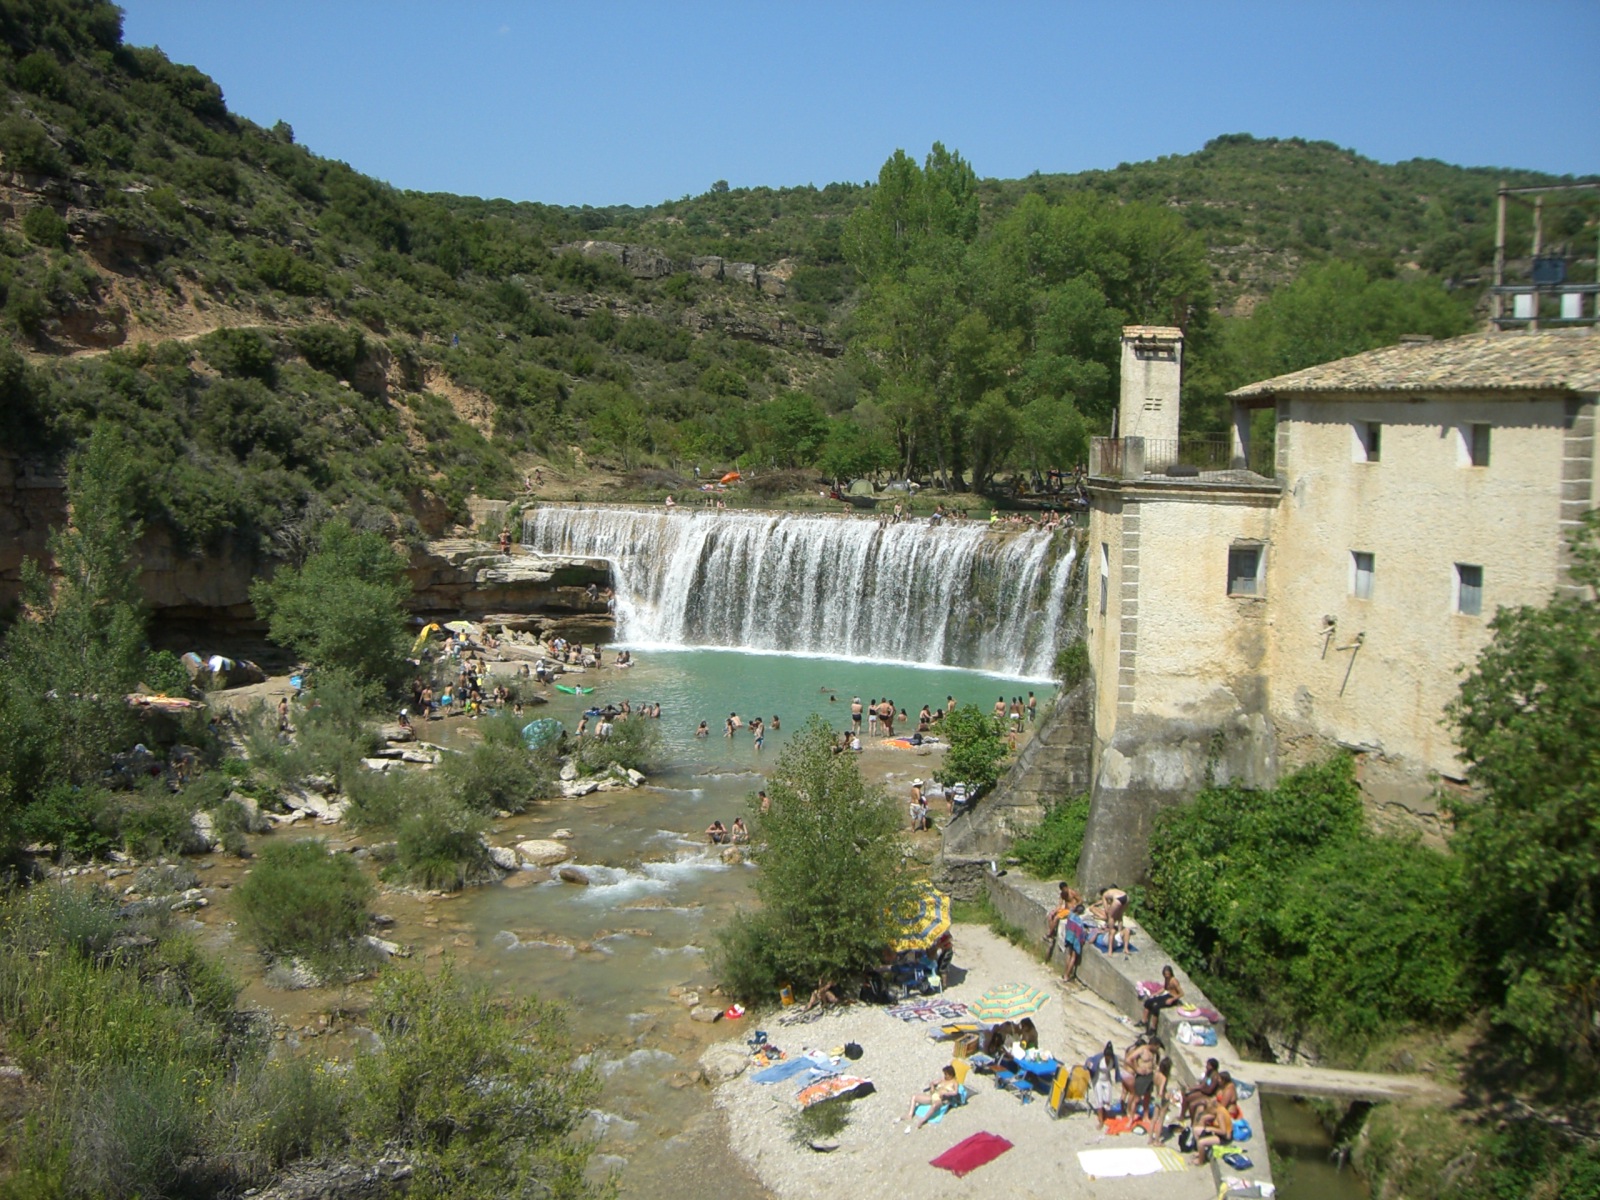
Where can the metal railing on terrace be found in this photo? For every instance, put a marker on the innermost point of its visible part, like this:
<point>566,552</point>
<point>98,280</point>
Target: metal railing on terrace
<point>1206,458</point>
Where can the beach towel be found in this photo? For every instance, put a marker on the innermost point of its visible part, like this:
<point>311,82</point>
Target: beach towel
<point>1117,1126</point>
<point>1147,988</point>
<point>944,1109</point>
<point>789,1068</point>
<point>1114,1164</point>
<point>941,1011</point>
<point>832,1088</point>
<point>971,1153</point>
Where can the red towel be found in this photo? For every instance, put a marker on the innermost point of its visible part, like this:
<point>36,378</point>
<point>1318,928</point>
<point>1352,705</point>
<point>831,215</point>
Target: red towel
<point>972,1153</point>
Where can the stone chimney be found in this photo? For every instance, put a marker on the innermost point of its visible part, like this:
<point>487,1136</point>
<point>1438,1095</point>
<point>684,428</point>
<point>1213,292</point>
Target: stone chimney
<point>1152,370</point>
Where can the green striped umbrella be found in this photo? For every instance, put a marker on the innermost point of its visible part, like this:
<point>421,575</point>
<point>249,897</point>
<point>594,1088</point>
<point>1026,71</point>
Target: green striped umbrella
<point>1008,1002</point>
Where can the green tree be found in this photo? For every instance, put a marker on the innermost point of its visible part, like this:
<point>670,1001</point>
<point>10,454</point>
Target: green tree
<point>1333,310</point>
<point>977,748</point>
<point>65,666</point>
<point>1528,721</point>
<point>830,859</point>
<point>344,609</point>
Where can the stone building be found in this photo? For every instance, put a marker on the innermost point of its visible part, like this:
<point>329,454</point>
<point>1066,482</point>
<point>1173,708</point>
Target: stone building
<point>1251,605</point>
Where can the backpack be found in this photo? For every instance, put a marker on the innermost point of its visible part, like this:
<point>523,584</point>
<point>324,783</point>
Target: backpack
<point>1241,1130</point>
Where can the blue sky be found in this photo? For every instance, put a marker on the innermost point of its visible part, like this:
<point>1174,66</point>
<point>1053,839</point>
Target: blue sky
<point>634,103</point>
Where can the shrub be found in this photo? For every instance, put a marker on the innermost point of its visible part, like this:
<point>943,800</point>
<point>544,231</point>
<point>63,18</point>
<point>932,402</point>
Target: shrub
<point>977,747</point>
<point>302,900</point>
<point>479,1095</point>
<point>439,844</point>
<point>634,745</point>
<point>241,353</point>
<point>1072,664</point>
<point>45,227</point>
<point>165,674</point>
<point>1298,917</point>
<point>151,820</point>
<point>494,777</point>
<point>1051,848</point>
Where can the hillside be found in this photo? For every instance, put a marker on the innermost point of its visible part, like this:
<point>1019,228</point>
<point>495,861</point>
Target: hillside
<point>278,334</point>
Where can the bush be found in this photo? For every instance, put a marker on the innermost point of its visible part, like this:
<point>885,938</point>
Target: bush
<point>634,745</point>
<point>439,844</point>
<point>1072,664</point>
<point>977,747</point>
<point>241,353</point>
<point>1051,848</point>
<point>165,674</point>
<point>831,869</point>
<point>478,1095</point>
<point>150,821</point>
<point>495,777</point>
<point>45,227</point>
<point>300,900</point>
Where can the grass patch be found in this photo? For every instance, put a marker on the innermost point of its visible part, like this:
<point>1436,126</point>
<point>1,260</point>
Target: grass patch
<point>819,1123</point>
<point>1050,850</point>
<point>983,912</point>
<point>300,901</point>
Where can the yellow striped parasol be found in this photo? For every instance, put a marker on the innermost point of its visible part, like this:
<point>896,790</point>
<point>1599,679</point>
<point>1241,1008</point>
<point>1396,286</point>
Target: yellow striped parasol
<point>1008,1002</point>
<point>922,921</point>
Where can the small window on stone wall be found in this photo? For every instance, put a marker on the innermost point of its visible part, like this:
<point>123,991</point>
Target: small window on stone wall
<point>1105,575</point>
<point>1244,569</point>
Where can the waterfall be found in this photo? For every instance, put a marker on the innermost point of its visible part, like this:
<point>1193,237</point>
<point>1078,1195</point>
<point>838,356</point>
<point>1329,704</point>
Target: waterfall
<point>960,594</point>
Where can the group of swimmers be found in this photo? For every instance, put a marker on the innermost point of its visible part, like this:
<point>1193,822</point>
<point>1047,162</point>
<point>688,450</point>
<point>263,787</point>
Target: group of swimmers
<point>720,835</point>
<point>734,723</point>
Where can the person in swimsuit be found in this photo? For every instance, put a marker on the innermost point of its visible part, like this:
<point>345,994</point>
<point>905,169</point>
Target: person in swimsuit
<point>1142,1061</point>
<point>739,834</point>
<point>939,1093</point>
<point>1160,1101</point>
<point>1171,993</point>
<point>716,833</point>
<point>702,730</point>
<point>1202,1091</point>
<point>1113,904</point>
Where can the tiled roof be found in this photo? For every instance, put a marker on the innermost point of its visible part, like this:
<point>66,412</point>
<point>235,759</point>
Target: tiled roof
<point>1561,360</point>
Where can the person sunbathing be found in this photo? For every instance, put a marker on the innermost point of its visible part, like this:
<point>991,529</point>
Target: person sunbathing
<point>942,1091</point>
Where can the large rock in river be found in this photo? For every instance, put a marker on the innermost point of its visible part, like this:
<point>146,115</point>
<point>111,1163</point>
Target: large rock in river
<point>542,852</point>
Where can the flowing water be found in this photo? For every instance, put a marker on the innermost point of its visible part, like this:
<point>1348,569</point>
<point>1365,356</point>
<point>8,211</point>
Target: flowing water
<point>658,892</point>
<point>960,594</point>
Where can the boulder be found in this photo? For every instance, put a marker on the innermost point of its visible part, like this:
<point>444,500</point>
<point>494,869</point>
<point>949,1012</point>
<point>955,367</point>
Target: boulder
<point>397,733</point>
<point>707,266</point>
<point>572,875</point>
<point>722,1063</point>
<point>707,1013</point>
<point>569,772</point>
<point>205,830</point>
<point>504,857</point>
<point>635,778</point>
<point>542,852</point>
<point>562,835</point>
<point>732,855</point>
<point>189,900</point>
<point>573,790</point>
<point>386,948</point>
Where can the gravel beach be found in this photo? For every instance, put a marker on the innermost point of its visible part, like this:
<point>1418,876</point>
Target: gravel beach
<point>875,1157</point>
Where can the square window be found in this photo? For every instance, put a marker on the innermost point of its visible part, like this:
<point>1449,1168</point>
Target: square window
<point>1244,570</point>
<point>1478,445</point>
<point>1362,569</point>
<point>1469,589</point>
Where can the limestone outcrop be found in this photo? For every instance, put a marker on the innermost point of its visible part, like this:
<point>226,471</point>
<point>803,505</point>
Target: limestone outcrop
<point>644,262</point>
